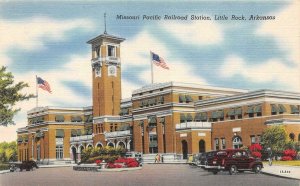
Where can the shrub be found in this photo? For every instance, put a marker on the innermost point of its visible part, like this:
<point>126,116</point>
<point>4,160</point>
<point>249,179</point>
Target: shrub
<point>4,166</point>
<point>286,158</point>
<point>290,152</point>
<point>256,154</point>
<point>255,147</point>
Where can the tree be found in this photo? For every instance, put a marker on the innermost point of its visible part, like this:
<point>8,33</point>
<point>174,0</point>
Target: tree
<point>8,152</point>
<point>274,137</point>
<point>9,96</point>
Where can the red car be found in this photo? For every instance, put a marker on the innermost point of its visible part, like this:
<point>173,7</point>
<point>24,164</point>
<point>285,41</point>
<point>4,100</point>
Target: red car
<point>233,160</point>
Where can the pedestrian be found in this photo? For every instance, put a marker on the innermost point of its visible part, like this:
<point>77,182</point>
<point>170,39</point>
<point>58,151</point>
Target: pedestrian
<point>156,158</point>
<point>162,158</point>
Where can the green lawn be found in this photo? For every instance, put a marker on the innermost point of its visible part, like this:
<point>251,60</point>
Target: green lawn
<point>291,163</point>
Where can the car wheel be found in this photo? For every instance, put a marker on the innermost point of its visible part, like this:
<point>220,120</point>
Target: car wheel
<point>215,172</point>
<point>257,169</point>
<point>232,169</point>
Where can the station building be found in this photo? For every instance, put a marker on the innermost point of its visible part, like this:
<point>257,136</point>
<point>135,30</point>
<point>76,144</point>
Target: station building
<point>174,119</point>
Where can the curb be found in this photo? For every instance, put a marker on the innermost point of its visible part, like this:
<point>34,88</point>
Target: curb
<point>119,169</point>
<point>4,171</point>
<point>280,176</point>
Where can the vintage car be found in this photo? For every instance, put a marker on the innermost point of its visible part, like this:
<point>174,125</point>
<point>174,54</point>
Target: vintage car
<point>25,165</point>
<point>233,160</point>
<point>203,159</point>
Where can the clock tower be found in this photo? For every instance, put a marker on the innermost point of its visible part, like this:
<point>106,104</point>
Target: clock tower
<point>106,72</point>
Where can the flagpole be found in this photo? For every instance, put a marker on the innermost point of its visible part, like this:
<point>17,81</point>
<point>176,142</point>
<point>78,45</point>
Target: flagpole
<point>151,67</point>
<point>36,91</point>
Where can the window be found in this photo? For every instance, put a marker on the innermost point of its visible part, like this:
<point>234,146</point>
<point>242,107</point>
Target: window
<point>200,97</point>
<point>252,139</point>
<point>217,144</point>
<point>116,127</point>
<point>232,117</point>
<point>292,136</point>
<point>258,138</point>
<point>237,142</point>
<point>97,51</point>
<point>111,51</point>
<point>223,141</point>
<point>59,152</point>
<point>111,127</point>
<point>251,115</point>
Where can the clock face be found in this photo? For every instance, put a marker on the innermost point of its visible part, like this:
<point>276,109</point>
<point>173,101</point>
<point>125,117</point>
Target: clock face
<point>112,71</point>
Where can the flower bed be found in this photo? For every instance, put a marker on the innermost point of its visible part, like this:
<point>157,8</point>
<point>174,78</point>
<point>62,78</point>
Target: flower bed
<point>120,163</point>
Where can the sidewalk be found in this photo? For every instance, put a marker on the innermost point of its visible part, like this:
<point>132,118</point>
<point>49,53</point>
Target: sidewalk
<point>286,171</point>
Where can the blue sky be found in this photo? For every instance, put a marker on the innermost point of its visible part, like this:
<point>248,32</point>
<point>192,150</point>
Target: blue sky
<point>48,39</point>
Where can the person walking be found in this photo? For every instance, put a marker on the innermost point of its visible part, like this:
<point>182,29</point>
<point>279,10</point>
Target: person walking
<point>156,158</point>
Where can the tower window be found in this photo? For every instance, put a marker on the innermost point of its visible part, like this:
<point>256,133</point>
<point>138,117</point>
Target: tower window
<point>111,51</point>
<point>97,51</point>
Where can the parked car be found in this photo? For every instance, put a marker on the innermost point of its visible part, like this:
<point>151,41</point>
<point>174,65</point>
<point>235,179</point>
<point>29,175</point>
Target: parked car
<point>24,165</point>
<point>137,155</point>
<point>194,159</point>
<point>205,157</point>
<point>233,160</point>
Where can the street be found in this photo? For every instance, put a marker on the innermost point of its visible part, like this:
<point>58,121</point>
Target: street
<point>154,174</point>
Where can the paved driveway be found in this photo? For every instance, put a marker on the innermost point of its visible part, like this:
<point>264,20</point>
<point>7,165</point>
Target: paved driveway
<point>149,175</point>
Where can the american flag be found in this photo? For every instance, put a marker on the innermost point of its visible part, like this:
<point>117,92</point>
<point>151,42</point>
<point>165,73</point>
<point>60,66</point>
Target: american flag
<point>159,61</point>
<point>43,84</point>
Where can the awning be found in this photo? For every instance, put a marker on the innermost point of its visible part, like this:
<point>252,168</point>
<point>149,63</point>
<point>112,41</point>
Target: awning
<point>60,133</point>
<point>257,109</point>
<point>152,120</point>
<point>39,134</point>
<point>214,115</point>
<point>182,99</point>
<point>198,116</point>
<point>238,111</point>
<point>141,123</point>
<point>231,112</point>
<point>203,116</point>
<point>188,98</point>
<point>25,138</point>
<point>89,131</point>
<point>274,108</point>
<point>59,118</point>
<point>221,114</point>
<point>189,117</point>
<point>294,109</point>
<point>250,110</point>
<point>73,132</point>
<point>182,118</point>
<point>20,139</point>
<point>76,119</point>
<point>281,108</point>
<point>160,99</point>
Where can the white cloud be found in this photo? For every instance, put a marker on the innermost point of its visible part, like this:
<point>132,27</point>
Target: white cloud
<point>197,33</point>
<point>136,51</point>
<point>77,70</point>
<point>272,70</point>
<point>285,29</point>
<point>30,34</point>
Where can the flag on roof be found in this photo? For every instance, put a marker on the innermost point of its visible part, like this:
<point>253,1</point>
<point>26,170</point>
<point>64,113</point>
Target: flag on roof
<point>43,84</point>
<point>159,61</point>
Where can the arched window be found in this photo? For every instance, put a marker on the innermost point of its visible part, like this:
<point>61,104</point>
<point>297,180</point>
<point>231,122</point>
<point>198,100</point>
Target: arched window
<point>292,136</point>
<point>237,142</point>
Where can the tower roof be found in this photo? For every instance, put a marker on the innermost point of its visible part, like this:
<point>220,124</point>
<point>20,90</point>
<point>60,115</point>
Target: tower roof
<point>106,37</point>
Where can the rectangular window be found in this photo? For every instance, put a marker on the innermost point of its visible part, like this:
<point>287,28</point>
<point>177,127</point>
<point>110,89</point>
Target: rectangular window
<point>111,51</point>
<point>252,139</point>
<point>240,116</point>
<point>232,117</point>
<point>97,51</point>
<point>200,97</point>
<point>258,138</point>
<point>111,127</point>
<point>251,115</point>
<point>223,143</point>
<point>258,114</point>
<point>217,144</point>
